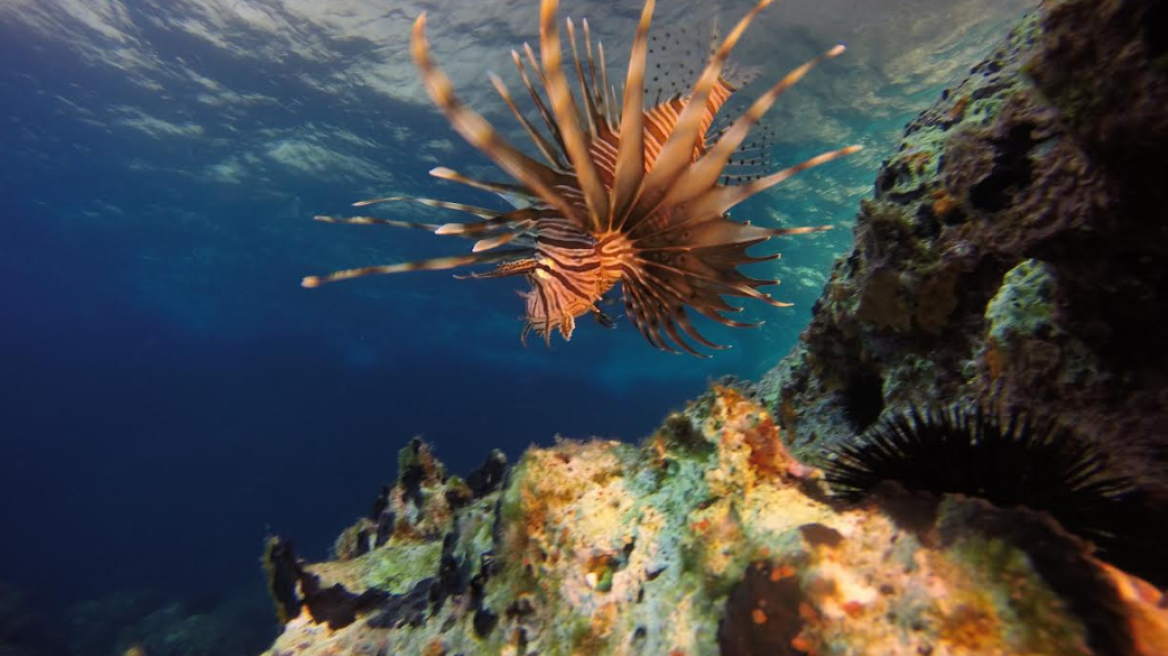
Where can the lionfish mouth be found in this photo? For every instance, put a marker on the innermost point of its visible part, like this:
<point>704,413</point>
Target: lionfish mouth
<point>623,195</point>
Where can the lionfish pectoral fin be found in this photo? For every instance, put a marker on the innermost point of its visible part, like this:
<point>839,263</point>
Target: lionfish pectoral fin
<point>630,160</point>
<point>470,209</point>
<point>567,115</point>
<point>435,264</point>
<point>478,131</point>
<point>719,200</point>
<point>369,220</point>
<point>677,153</point>
<point>590,112</point>
<point>541,144</point>
<point>494,242</point>
<point>652,313</point>
<point>544,112</point>
<point>802,230</point>
<point>505,270</point>
<point>443,173</point>
<point>705,173</point>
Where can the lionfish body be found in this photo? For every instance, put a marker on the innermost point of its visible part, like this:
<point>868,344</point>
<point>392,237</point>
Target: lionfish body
<point>623,194</point>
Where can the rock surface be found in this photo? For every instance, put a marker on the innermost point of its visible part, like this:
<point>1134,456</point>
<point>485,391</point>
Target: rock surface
<point>709,538</point>
<point>1015,248</point>
<point>1012,253</point>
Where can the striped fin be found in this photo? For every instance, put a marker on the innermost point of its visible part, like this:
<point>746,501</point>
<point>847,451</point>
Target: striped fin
<point>444,173</point>
<point>677,154</point>
<point>479,133</point>
<point>544,113</point>
<point>684,322</point>
<point>630,161</point>
<point>469,209</point>
<point>598,93</point>
<point>704,174</point>
<point>609,98</point>
<point>616,111</point>
<point>744,288</point>
<point>662,302</point>
<point>564,107</point>
<point>585,88</point>
<point>534,64</point>
<point>435,264</point>
<point>639,313</point>
<point>369,220</point>
<point>541,143</point>
<point>719,200</point>
<point>510,221</point>
<point>662,316</point>
<point>494,242</point>
<point>506,269</point>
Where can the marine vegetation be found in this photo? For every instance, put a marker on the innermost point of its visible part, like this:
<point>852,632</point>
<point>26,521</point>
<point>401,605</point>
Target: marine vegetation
<point>623,194</point>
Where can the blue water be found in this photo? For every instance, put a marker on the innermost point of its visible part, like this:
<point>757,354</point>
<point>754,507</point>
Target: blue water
<point>169,394</point>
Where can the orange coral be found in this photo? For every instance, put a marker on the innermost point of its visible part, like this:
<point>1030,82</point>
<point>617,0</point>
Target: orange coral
<point>994,359</point>
<point>972,627</point>
<point>958,110</point>
<point>758,431</point>
<point>788,414</point>
<point>917,160</point>
<point>944,203</point>
<point>1147,611</point>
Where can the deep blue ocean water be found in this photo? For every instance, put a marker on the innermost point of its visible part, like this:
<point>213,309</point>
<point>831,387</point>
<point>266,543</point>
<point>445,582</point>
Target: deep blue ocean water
<point>169,395</point>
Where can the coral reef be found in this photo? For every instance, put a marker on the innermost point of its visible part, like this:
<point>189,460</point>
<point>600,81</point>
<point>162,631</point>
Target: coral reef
<point>709,537</point>
<point>1014,250</point>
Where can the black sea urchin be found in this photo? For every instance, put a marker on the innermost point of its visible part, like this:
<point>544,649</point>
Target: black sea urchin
<point>1010,460</point>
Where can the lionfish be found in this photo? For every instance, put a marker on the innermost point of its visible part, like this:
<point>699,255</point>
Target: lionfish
<point>623,194</point>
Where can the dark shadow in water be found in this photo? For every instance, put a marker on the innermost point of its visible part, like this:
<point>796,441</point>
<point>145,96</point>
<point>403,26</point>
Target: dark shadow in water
<point>138,455</point>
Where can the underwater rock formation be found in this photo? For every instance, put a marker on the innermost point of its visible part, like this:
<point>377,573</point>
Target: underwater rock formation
<point>706,538</point>
<point>1011,258</point>
<point>1015,249</point>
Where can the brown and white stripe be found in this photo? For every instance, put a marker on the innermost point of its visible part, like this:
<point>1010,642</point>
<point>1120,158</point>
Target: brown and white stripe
<point>624,195</point>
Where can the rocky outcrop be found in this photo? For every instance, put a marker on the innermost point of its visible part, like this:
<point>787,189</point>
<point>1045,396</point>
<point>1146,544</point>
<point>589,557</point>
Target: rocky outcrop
<point>710,538</point>
<point>1011,259</point>
<point>1014,250</point>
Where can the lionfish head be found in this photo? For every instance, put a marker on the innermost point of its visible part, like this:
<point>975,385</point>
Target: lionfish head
<point>621,195</point>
